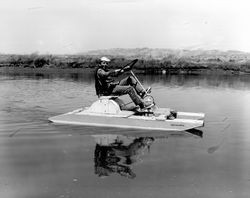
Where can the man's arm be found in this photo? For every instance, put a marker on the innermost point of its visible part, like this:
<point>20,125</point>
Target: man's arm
<point>114,73</point>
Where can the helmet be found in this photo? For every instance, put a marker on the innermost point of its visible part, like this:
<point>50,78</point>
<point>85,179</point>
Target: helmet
<point>104,59</point>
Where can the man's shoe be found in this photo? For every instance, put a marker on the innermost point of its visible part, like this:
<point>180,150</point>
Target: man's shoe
<point>146,107</point>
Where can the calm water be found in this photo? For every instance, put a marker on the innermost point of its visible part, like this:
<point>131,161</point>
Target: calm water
<point>39,159</point>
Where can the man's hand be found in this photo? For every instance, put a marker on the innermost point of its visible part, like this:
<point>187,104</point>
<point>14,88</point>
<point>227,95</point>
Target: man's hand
<point>127,68</point>
<point>119,71</point>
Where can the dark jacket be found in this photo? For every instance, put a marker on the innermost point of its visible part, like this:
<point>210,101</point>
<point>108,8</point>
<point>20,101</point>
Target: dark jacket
<point>104,84</point>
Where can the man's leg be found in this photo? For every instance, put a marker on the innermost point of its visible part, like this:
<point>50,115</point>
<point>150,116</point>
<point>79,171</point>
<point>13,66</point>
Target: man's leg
<point>122,90</point>
<point>132,82</point>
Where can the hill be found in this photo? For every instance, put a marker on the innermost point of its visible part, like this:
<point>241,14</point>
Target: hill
<point>159,53</point>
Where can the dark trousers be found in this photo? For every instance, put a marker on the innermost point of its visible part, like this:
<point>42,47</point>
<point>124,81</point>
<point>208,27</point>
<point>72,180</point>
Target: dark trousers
<point>129,86</point>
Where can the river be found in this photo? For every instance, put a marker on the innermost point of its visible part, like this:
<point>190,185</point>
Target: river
<point>40,159</point>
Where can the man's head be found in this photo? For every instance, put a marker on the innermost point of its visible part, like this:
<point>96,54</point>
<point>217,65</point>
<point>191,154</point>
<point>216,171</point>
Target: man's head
<point>104,61</point>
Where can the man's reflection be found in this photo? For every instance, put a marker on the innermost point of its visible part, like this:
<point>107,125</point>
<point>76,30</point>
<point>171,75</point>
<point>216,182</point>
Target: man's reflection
<point>116,154</point>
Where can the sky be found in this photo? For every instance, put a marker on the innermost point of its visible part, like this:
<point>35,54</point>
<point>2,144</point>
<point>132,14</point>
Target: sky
<point>76,26</point>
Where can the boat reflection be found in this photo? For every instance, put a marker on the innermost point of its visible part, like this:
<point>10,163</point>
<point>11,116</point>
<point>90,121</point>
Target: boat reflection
<point>115,154</point>
<point>195,132</point>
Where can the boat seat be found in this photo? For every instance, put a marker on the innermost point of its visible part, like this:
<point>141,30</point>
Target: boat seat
<point>108,97</point>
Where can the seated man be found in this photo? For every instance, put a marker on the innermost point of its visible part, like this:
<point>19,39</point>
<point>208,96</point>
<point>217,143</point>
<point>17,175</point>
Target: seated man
<point>106,86</point>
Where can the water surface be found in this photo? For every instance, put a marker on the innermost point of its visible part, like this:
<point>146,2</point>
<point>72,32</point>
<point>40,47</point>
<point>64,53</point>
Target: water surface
<point>40,159</point>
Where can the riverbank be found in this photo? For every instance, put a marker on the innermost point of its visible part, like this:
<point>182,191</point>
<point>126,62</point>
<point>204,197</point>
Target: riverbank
<point>153,61</point>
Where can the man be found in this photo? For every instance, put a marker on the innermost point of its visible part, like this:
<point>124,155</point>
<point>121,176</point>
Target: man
<point>106,86</point>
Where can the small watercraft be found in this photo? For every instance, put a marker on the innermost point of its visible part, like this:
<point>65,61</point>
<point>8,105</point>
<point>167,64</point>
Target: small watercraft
<point>108,112</point>
<point>111,111</point>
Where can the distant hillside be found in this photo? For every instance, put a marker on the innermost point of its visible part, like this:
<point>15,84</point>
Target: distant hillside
<point>148,53</point>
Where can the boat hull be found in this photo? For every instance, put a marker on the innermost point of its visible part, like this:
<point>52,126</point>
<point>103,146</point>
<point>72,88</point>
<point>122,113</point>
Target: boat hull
<point>131,121</point>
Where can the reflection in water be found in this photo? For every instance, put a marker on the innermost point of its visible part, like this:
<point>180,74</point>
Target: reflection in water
<point>79,75</point>
<point>117,153</point>
<point>203,80</point>
<point>87,76</point>
<point>195,132</point>
<point>212,149</point>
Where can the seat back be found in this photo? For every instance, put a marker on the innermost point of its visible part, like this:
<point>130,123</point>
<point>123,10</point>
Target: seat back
<point>105,105</point>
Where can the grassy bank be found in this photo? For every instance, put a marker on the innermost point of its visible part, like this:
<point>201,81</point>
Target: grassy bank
<point>187,62</point>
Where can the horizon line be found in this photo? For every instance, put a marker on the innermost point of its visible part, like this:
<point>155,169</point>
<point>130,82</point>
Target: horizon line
<point>120,48</point>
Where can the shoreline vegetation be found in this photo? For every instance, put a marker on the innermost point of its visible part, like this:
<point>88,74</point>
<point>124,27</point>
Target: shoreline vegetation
<point>152,61</point>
